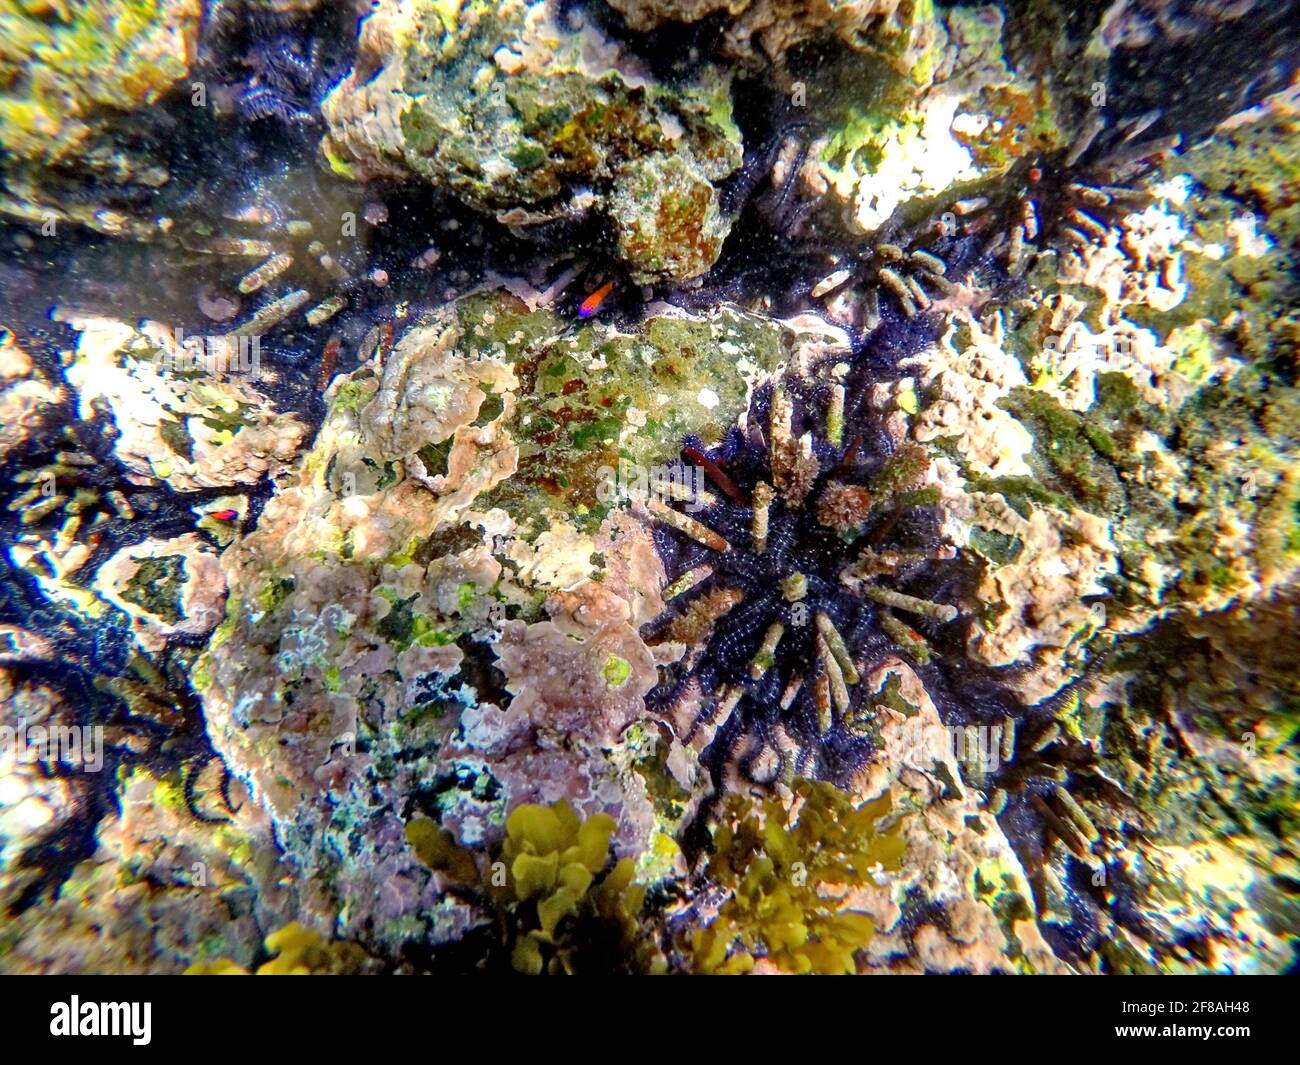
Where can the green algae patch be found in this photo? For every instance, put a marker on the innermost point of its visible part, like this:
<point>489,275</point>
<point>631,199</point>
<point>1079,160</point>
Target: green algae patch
<point>403,627</point>
<point>998,548</point>
<point>592,403</point>
<point>157,586</point>
<point>616,671</point>
<point>1073,454</point>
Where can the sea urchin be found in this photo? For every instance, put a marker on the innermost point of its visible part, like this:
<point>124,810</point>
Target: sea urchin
<point>786,586</point>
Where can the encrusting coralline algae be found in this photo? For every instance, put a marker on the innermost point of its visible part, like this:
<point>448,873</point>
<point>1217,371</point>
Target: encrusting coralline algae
<point>592,459</point>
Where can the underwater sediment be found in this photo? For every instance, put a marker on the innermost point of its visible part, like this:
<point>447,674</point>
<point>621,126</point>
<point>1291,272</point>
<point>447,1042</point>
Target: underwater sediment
<point>604,486</point>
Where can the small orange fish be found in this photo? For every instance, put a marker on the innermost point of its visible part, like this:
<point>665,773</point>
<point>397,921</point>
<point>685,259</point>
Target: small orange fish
<point>592,303</point>
<point>223,515</point>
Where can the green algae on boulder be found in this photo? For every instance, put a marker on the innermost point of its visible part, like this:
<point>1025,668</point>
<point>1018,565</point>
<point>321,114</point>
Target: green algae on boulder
<point>1194,724</point>
<point>593,403</point>
<point>69,74</point>
<point>929,117</point>
<point>666,218</point>
<point>1243,210</point>
<point>531,119</point>
<point>1098,426</point>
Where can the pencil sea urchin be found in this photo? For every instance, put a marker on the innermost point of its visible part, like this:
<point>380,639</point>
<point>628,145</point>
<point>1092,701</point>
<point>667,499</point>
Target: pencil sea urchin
<point>805,570</point>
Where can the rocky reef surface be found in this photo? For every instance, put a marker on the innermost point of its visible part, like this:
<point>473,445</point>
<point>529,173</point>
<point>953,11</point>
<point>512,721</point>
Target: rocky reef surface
<point>725,486</point>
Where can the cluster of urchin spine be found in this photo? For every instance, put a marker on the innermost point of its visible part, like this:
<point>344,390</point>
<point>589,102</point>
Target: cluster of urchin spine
<point>777,625</point>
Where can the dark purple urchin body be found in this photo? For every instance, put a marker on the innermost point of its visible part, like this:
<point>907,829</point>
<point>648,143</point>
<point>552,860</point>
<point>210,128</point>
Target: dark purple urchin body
<point>276,60</point>
<point>782,624</point>
<point>727,663</point>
